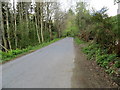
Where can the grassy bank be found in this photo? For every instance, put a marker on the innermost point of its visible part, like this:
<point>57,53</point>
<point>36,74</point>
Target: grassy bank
<point>78,41</point>
<point>110,62</point>
<point>12,54</point>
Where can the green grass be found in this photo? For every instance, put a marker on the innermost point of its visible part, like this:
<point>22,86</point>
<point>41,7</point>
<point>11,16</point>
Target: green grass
<point>78,41</point>
<point>12,54</point>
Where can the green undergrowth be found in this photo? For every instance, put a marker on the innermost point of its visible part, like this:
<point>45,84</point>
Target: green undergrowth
<point>110,62</point>
<point>78,41</point>
<point>7,56</point>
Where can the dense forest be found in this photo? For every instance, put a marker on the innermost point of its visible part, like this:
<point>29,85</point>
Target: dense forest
<point>24,23</point>
<point>27,24</point>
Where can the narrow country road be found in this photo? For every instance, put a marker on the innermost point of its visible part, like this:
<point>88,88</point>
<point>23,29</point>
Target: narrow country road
<point>49,67</point>
<point>59,65</point>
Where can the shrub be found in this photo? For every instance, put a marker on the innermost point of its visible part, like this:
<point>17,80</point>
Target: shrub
<point>117,64</point>
<point>108,61</point>
<point>16,52</point>
<point>78,41</point>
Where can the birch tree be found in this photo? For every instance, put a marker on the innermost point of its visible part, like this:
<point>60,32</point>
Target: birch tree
<point>2,29</point>
<point>15,25</point>
<point>8,28</point>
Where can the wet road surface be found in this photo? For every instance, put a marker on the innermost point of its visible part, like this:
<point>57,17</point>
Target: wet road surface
<point>49,67</point>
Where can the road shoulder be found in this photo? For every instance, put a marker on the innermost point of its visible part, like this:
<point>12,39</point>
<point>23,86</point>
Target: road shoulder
<point>87,74</point>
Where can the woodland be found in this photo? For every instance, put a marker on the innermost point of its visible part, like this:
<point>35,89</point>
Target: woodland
<point>25,25</point>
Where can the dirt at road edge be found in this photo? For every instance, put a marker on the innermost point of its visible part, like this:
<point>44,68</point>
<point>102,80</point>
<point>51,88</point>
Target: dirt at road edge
<point>87,74</point>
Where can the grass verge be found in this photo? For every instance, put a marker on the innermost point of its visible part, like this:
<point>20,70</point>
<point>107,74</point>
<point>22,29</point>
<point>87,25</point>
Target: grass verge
<point>78,41</point>
<point>13,54</point>
<point>110,62</point>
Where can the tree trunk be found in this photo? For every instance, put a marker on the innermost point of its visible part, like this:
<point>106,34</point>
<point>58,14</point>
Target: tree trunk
<point>49,20</point>
<point>42,23</point>
<point>15,25</point>
<point>2,29</point>
<point>26,16</point>
<point>59,33</point>
<point>8,29</point>
<point>37,28</point>
<point>50,31</point>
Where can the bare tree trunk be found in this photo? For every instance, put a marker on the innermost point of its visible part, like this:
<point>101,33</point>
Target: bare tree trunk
<point>4,47</point>
<point>50,31</point>
<point>26,16</point>
<point>2,28</point>
<point>48,19</point>
<point>37,28</point>
<point>20,12</point>
<point>59,35</point>
<point>15,27</point>
<point>8,29</point>
<point>42,37</point>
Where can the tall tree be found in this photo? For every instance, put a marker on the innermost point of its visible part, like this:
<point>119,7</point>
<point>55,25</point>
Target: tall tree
<point>2,29</point>
<point>15,25</point>
<point>42,37</point>
<point>8,27</point>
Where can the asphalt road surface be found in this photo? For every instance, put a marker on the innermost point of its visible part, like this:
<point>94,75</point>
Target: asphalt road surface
<point>49,67</point>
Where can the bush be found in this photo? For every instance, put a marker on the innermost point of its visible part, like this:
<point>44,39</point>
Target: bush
<point>16,52</point>
<point>78,41</point>
<point>108,61</point>
<point>105,59</point>
<point>117,64</point>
